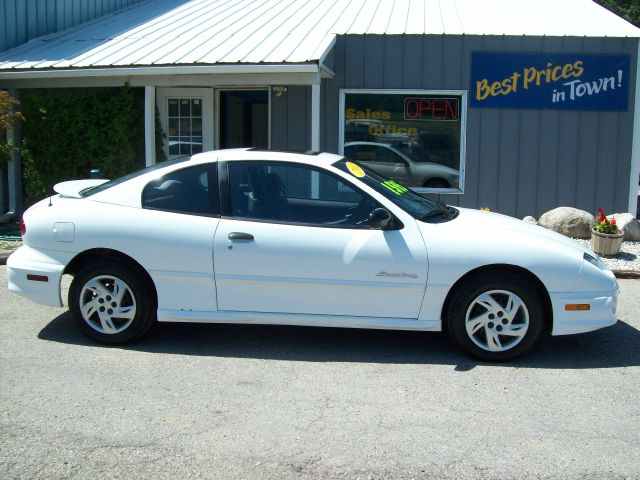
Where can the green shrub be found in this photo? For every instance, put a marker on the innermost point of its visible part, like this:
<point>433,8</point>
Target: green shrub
<point>66,133</point>
<point>7,118</point>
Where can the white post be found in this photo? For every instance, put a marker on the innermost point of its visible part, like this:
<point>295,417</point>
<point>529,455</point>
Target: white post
<point>150,124</point>
<point>315,134</point>
<point>315,116</point>
<point>14,168</point>
<point>635,149</point>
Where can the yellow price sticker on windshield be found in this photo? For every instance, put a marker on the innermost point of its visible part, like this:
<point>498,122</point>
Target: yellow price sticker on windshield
<point>355,169</point>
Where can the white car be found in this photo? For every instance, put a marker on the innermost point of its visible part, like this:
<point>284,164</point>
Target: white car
<point>388,161</point>
<point>246,236</point>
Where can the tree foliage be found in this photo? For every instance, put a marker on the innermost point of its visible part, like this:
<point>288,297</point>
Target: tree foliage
<point>627,9</point>
<point>66,133</point>
<point>8,116</point>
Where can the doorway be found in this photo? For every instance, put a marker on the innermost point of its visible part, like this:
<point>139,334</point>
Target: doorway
<point>243,118</point>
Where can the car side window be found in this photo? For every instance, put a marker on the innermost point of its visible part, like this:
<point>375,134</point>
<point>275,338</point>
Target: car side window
<point>298,194</point>
<point>192,190</point>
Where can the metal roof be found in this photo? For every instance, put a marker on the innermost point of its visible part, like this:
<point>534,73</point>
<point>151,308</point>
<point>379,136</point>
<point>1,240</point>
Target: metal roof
<point>213,32</point>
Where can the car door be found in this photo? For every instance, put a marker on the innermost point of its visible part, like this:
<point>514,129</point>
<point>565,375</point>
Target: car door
<point>381,158</point>
<point>182,212</point>
<point>295,239</point>
<point>393,165</point>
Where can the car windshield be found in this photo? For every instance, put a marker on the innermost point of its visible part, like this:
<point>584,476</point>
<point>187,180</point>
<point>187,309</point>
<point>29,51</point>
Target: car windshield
<point>412,203</point>
<point>87,192</point>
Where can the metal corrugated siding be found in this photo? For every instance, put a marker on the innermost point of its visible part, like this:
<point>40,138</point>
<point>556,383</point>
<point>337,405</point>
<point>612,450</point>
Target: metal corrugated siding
<point>177,32</point>
<point>291,119</point>
<point>518,162</point>
<point>24,20</point>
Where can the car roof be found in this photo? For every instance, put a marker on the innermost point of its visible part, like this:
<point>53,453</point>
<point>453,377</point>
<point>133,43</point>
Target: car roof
<point>126,195</point>
<point>384,144</point>
<point>252,154</point>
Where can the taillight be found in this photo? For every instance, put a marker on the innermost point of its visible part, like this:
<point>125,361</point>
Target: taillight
<point>23,227</point>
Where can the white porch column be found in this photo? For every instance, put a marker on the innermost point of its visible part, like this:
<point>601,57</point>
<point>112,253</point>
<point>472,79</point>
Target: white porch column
<point>315,135</point>
<point>14,168</point>
<point>635,149</point>
<point>315,116</point>
<point>150,124</point>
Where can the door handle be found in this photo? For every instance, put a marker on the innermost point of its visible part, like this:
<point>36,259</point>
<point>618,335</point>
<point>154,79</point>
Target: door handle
<point>240,236</point>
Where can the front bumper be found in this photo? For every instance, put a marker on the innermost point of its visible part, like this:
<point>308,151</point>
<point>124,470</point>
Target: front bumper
<point>27,269</point>
<point>602,312</point>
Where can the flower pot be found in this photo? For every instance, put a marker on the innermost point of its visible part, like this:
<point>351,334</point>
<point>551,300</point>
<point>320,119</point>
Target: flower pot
<point>606,244</point>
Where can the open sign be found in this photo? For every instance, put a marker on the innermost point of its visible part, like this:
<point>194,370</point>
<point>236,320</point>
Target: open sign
<point>432,108</point>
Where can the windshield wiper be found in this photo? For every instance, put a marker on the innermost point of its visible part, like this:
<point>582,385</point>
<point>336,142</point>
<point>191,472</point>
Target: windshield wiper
<point>443,210</point>
<point>438,212</point>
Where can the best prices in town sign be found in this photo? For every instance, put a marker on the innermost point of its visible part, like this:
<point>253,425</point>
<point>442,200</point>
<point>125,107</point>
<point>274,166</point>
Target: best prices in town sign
<point>557,81</point>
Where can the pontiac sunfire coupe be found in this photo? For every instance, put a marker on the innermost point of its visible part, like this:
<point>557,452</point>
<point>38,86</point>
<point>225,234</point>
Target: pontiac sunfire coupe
<point>246,236</point>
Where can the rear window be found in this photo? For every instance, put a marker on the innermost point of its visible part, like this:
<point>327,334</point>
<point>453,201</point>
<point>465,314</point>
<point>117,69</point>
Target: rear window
<point>87,192</point>
<point>191,190</point>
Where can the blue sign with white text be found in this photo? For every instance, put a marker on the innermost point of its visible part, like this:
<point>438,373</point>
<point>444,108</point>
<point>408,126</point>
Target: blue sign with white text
<point>558,81</point>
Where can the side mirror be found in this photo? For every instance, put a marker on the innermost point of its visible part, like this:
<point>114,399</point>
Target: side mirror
<point>380,219</point>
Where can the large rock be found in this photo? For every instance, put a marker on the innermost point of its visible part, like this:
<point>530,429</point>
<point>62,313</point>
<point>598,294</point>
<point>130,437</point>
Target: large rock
<point>568,221</point>
<point>629,226</point>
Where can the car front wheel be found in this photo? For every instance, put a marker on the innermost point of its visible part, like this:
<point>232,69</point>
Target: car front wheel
<point>495,319</point>
<point>110,303</point>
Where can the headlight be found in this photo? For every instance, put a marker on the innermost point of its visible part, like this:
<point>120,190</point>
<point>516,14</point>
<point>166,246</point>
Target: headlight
<point>596,261</point>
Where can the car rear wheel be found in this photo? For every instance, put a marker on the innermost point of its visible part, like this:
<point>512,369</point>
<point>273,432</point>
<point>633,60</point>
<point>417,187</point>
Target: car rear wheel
<point>495,319</point>
<point>110,303</point>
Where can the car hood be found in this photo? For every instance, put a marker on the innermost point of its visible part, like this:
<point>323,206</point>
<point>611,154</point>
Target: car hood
<point>490,224</point>
<point>476,238</point>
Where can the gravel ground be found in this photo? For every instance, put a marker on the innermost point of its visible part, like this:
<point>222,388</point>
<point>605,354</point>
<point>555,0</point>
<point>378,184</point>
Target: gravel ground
<point>627,259</point>
<point>9,245</point>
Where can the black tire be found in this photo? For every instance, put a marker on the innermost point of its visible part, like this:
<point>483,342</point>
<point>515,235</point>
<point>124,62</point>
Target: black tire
<point>503,330</point>
<point>119,305</point>
<point>436,183</point>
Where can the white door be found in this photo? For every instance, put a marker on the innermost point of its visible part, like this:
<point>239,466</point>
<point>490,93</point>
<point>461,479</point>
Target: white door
<point>186,116</point>
<point>295,252</point>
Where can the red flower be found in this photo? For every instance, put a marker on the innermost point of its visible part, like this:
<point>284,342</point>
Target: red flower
<point>613,222</point>
<point>601,216</point>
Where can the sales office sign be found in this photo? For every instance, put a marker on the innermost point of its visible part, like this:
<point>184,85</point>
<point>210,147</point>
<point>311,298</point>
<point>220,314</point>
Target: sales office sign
<point>557,81</point>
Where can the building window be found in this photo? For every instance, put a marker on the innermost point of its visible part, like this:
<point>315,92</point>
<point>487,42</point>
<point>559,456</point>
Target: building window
<point>185,126</point>
<point>416,137</point>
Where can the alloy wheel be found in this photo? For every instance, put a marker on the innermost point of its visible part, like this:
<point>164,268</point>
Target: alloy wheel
<point>497,320</point>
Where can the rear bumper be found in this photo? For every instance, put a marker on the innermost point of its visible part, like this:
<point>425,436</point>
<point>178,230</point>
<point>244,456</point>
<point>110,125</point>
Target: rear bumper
<point>602,312</point>
<point>36,274</point>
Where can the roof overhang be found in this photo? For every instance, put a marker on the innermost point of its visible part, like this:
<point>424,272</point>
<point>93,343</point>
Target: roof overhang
<point>192,75</point>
